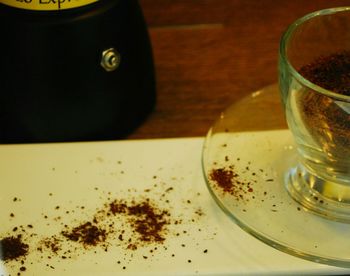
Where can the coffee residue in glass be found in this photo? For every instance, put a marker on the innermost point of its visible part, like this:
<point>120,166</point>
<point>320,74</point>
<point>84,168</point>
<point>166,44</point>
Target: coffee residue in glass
<point>326,118</point>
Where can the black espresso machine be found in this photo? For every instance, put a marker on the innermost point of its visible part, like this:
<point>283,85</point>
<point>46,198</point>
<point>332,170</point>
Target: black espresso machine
<point>73,70</point>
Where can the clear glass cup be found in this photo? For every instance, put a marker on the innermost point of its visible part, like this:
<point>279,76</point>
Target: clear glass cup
<point>319,118</point>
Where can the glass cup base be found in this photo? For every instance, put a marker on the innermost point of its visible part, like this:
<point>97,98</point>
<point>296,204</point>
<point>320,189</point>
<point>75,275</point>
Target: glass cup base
<point>320,196</point>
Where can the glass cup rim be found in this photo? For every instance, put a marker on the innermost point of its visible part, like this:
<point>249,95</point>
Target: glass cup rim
<point>285,37</point>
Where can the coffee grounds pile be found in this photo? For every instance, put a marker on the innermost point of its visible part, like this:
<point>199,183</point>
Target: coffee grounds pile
<point>326,121</point>
<point>225,179</point>
<point>231,183</point>
<point>13,248</point>
<point>87,234</point>
<point>148,221</point>
<point>145,221</point>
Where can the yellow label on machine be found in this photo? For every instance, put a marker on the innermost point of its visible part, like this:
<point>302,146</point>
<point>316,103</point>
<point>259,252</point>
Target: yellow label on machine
<point>47,5</point>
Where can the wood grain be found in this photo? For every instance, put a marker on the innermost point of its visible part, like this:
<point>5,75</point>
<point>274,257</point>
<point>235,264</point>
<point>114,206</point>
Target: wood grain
<point>209,54</point>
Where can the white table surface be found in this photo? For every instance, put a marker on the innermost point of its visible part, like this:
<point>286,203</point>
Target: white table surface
<point>74,174</point>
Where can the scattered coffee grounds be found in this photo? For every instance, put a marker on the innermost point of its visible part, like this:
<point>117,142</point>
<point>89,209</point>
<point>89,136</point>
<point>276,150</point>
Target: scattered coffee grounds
<point>133,222</point>
<point>12,248</point>
<point>326,120</point>
<point>53,244</point>
<point>87,234</point>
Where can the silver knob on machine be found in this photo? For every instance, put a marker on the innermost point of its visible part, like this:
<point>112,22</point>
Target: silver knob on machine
<point>110,59</point>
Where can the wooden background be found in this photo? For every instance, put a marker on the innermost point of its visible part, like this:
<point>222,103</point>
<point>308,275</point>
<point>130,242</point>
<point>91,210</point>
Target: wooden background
<point>211,53</point>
